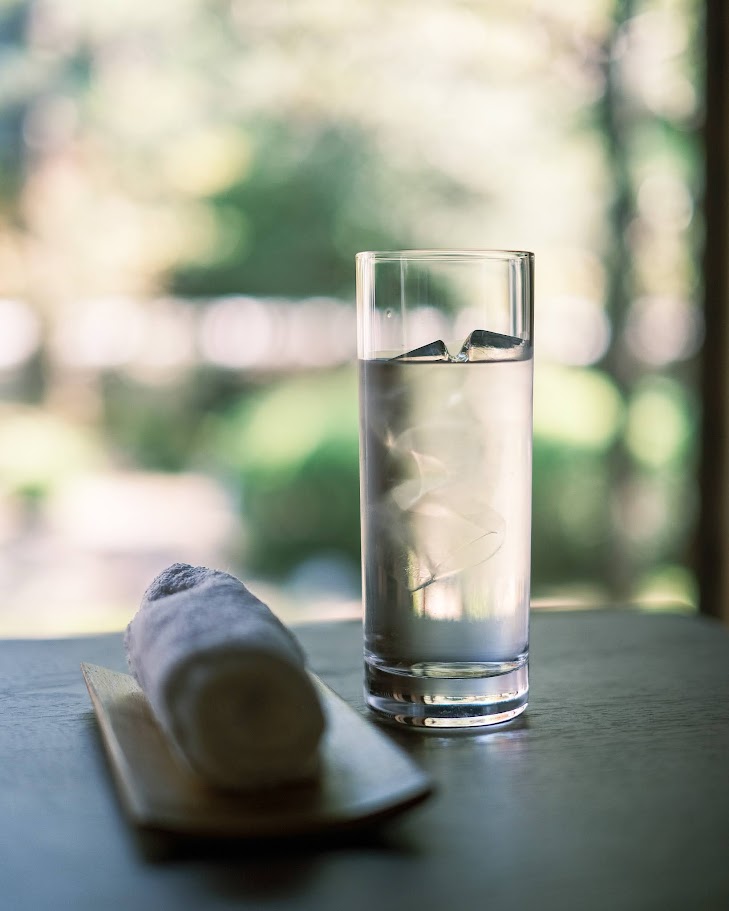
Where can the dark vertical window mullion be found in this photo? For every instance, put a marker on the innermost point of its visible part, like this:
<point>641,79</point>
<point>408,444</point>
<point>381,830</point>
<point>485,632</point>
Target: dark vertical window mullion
<point>713,531</point>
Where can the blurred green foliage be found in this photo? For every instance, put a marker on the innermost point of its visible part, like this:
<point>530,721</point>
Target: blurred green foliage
<point>251,148</point>
<point>571,528</point>
<point>294,219</point>
<point>292,451</point>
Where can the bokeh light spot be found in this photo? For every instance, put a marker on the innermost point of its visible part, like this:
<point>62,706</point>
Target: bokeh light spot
<point>576,407</point>
<point>20,334</point>
<point>658,425</point>
<point>661,330</point>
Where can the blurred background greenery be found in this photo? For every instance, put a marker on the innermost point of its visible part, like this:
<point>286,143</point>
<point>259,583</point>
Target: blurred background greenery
<point>183,187</point>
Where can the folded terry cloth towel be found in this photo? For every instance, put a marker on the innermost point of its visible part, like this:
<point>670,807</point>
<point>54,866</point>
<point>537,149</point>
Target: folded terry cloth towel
<point>225,679</point>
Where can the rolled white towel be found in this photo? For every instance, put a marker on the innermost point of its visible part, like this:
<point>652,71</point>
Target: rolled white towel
<point>225,679</point>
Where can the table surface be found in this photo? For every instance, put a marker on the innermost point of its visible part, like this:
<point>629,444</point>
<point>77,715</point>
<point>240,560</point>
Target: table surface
<point>610,792</point>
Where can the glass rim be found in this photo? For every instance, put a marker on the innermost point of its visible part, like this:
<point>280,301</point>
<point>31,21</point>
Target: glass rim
<point>443,254</point>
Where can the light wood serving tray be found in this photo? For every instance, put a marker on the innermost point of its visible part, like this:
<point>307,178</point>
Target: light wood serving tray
<point>364,775</point>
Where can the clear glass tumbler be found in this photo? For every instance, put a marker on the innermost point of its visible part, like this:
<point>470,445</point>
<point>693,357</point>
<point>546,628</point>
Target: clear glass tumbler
<point>445,359</point>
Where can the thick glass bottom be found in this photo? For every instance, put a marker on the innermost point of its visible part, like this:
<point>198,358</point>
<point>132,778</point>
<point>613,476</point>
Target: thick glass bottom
<point>448,694</point>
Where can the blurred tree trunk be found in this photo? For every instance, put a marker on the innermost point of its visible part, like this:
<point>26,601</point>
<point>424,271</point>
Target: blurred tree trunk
<point>615,124</point>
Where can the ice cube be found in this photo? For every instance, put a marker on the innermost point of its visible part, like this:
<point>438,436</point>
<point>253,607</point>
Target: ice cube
<point>482,345</point>
<point>435,351</point>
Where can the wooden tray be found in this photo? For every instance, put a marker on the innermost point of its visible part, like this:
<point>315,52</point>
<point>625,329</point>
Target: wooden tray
<point>364,775</point>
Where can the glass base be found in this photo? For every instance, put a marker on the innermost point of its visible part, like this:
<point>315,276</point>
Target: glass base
<point>448,695</point>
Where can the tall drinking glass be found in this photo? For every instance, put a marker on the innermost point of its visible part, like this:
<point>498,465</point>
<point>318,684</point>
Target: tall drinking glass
<point>445,359</point>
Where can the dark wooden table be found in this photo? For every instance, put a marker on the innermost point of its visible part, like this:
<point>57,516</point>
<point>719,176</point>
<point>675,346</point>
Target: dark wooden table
<point>611,792</point>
